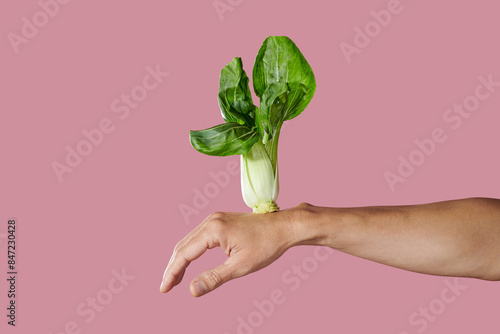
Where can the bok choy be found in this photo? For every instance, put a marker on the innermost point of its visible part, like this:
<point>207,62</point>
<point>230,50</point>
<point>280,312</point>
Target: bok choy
<point>285,84</point>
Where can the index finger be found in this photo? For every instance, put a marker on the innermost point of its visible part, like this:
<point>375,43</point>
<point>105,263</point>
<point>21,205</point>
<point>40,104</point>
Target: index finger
<point>187,250</point>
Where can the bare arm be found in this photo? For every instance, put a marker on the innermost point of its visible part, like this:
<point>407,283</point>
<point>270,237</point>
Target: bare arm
<point>452,238</point>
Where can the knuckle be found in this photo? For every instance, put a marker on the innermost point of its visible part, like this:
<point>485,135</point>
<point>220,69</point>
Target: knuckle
<point>214,279</point>
<point>178,249</point>
<point>175,276</point>
<point>216,216</point>
<point>217,223</point>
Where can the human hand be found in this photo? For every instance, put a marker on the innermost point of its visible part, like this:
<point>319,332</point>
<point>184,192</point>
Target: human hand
<point>251,242</point>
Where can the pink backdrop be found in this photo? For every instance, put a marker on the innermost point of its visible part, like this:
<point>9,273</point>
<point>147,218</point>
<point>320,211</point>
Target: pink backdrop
<point>95,237</point>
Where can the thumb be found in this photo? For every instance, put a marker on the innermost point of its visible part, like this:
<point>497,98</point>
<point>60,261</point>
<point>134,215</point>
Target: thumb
<point>212,279</point>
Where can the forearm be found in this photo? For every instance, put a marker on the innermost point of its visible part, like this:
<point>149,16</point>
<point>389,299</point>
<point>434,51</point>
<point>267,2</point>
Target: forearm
<point>452,238</point>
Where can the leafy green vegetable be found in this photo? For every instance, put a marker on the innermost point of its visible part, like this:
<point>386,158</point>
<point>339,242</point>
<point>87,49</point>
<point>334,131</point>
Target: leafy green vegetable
<point>280,61</point>
<point>235,99</point>
<point>285,84</point>
<point>224,139</point>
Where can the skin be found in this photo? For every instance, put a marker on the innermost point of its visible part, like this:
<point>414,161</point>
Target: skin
<point>452,238</point>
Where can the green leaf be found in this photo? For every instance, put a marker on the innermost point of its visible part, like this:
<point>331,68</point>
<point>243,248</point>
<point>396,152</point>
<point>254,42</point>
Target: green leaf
<point>272,106</point>
<point>280,61</point>
<point>235,99</point>
<point>224,139</point>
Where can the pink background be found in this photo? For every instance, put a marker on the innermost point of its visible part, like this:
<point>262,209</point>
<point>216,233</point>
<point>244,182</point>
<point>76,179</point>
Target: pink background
<point>119,208</point>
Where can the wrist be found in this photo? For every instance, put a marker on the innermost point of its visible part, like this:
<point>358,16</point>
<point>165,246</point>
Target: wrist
<point>316,226</point>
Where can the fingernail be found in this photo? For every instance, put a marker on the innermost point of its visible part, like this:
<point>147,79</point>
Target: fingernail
<point>162,286</point>
<point>199,288</point>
